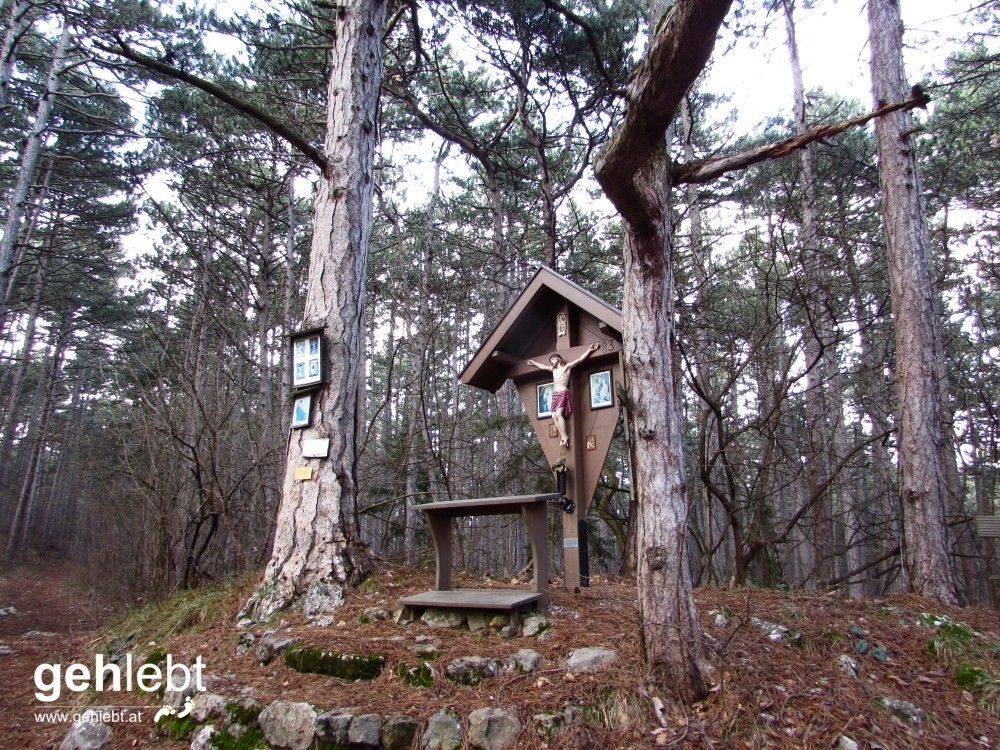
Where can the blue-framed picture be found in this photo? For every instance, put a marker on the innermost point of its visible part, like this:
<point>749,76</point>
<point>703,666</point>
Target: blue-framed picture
<point>302,411</point>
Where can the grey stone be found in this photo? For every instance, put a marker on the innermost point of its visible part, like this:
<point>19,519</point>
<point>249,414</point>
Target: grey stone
<point>444,732</point>
<point>364,730</point>
<point>87,734</point>
<point>498,621</point>
<point>493,729</point>
<point>584,660</point>
<point>523,661</point>
<point>773,632</point>
<point>322,598</point>
<point>332,726</point>
<point>425,650</point>
<point>207,706</point>
<point>548,724</point>
<point>848,666</point>
<point>399,616</point>
<point>535,625</point>
<point>398,732</point>
<point>177,698</point>
<point>244,623</point>
<point>846,743</point>
<point>271,644</point>
<point>443,618</point>
<point>203,738</point>
<point>288,725</point>
<point>39,634</point>
<point>719,618</point>
<point>245,643</point>
<point>8,611</point>
<point>376,614</point>
<point>5,650</point>
<point>902,709</point>
<point>238,711</point>
<point>477,621</point>
<point>471,670</point>
<point>509,631</point>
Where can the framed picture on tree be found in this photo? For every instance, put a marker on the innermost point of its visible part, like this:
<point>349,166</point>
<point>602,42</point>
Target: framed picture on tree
<point>307,359</point>
<point>302,411</point>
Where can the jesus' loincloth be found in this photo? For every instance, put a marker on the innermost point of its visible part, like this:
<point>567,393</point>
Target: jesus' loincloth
<point>564,399</point>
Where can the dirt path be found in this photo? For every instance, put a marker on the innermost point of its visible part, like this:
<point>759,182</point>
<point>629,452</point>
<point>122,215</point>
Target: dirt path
<point>55,618</point>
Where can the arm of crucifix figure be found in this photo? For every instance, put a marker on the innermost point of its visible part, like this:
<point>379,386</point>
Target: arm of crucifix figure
<point>539,365</point>
<point>590,350</point>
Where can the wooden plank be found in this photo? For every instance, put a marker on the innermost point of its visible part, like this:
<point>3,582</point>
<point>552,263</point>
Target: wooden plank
<point>502,599</point>
<point>988,527</point>
<point>486,506</point>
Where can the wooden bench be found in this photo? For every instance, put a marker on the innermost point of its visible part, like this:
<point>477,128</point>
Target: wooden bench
<point>533,509</point>
<point>988,527</point>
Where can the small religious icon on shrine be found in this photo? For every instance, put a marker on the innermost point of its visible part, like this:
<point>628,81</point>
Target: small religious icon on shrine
<point>561,324</point>
<point>591,442</point>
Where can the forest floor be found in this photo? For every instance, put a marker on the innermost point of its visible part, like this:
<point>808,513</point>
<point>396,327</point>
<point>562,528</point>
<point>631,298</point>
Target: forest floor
<point>769,687</point>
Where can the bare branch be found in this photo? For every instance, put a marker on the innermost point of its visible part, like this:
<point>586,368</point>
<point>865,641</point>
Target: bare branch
<point>276,126</point>
<point>708,169</point>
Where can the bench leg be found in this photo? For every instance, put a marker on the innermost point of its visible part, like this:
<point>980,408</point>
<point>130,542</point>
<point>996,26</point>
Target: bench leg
<point>440,528</point>
<point>536,521</point>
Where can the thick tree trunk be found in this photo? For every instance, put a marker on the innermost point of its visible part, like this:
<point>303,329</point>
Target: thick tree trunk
<point>633,171</point>
<point>316,552</point>
<point>922,481</point>
<point>669,622</point>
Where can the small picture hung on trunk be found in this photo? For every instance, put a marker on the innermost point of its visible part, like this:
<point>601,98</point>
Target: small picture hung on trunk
<point>307,360</point>
<point>302,411</point>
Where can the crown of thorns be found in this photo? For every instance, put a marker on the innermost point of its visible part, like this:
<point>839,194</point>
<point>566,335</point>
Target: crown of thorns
<point>555,355</point>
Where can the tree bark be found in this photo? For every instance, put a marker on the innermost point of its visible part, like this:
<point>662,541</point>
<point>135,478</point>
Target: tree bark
<point>922,481</point>
<point>634,172</point>
<point>29,166</point>
<point>817,334</point>
<point>316,553</point>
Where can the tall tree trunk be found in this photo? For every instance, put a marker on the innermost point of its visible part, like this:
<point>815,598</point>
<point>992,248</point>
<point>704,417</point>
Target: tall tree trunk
<point>20,530</point>
<point>817,334</point>
<point>316,553</point>
<point>922,481</point>
<point>633,170</point>
<point>17,205</point>
<point>17,25</point>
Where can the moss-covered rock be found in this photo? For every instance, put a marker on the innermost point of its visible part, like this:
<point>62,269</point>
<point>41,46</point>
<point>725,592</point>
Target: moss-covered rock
<point>175,728</point>
<point>420,676</point>
<point>351,667</point>
<point>251,740</point>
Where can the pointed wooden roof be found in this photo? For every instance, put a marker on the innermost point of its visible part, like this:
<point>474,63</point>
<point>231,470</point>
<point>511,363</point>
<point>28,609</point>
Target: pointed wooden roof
<point>514,335</point>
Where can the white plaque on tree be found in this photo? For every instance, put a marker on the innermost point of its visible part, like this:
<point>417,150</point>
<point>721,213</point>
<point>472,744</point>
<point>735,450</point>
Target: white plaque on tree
<point>315,448</point>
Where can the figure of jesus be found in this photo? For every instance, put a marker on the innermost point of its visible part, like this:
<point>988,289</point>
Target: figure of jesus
<point>562,397</point>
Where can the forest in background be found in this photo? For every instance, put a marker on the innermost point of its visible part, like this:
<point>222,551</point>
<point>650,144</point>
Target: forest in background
<point>154,259</point>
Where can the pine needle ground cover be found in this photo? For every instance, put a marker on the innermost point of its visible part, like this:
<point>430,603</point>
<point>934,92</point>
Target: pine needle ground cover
<point>783,674</point>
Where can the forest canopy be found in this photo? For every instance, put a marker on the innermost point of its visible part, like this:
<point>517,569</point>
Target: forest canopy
<point>156,247</point>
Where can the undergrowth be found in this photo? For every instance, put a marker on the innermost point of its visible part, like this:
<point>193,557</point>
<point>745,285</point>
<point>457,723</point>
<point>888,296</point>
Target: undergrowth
<point>974,657</point>
<point>189,610</point>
